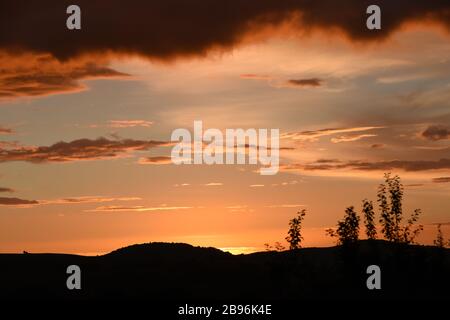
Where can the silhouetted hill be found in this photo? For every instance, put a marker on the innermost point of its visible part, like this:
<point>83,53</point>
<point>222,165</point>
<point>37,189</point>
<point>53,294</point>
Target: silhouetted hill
<point>164,271</point>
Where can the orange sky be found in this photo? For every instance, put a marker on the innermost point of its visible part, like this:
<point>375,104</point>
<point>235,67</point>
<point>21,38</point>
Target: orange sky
<point>74,132</point>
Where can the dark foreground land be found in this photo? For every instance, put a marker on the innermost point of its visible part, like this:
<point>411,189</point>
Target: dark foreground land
<point>163,271</point>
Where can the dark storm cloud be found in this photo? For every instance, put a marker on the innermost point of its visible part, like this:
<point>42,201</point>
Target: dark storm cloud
<point>172,28</point>
<point>77,150</point>
<point>436,132</point>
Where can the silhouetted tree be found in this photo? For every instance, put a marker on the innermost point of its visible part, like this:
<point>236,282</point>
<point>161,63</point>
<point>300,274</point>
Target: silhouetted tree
<point>439,238</point>
<point>409,234</point>
<point>279,246</point>
<point>276,247</point>
<point>294,237</point>
<point>347,230</point>
<point>392,213</point>
<point>369,219</point>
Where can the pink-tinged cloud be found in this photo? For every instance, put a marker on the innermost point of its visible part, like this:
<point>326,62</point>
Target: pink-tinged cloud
<point>30,74</point>
<point>78,150</point>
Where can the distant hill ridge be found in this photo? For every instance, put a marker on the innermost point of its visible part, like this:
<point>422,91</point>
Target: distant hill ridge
<point>178,271</point>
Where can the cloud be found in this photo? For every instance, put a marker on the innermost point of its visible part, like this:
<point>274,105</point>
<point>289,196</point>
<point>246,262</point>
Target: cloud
<point>5,130</point>
<point>64,201</point>
<point>6,189</point>
<point>302,83</point>
<point>256,185</point>
<point>441,180</point>
<point>156,160</point>
<point>57,60</point>
<point>30,74</point>
<point>135,209</point>
<point>406,165</point>
<point>436,132</point>
<point>313,135</point>
<point>254,76</point>
<point>129,123</point>
<point>285,206</point>
<point>154,27</point>
<point>377,146</point>
<point>78,150</point>
<point>237,207</point>
<point>350,138</point>
<point>181,184</point>
<point>214,184</point>
<point>16,202</point>
<point>8,144</point>
<point>87,199</point>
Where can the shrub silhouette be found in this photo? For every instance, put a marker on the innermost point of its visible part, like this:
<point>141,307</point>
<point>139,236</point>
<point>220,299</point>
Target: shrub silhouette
<point>369,219</point>
<point>347,230</point>
<point>439,242</point>
<point>276,247</point>
<point>294,237</point>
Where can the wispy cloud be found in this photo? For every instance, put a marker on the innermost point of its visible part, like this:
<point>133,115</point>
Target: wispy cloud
<point>156,160</point>
<point>256,185</point>
<point>64,201</point>
<point>313,135</point>
<point>6,189</point>
<point>136,208</point>
<point>16,202</point>
<point>350,138</point>
<point>255,76</point>
<point>129,123</point>
<point>286,206</point>
<point>213,184</point>
<point>406,165</point>
<point>441,180</point>
<point>87,199</point>
<point>5,130</point>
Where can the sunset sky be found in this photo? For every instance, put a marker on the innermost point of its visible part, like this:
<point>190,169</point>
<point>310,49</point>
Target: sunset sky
<point>86,118</point>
